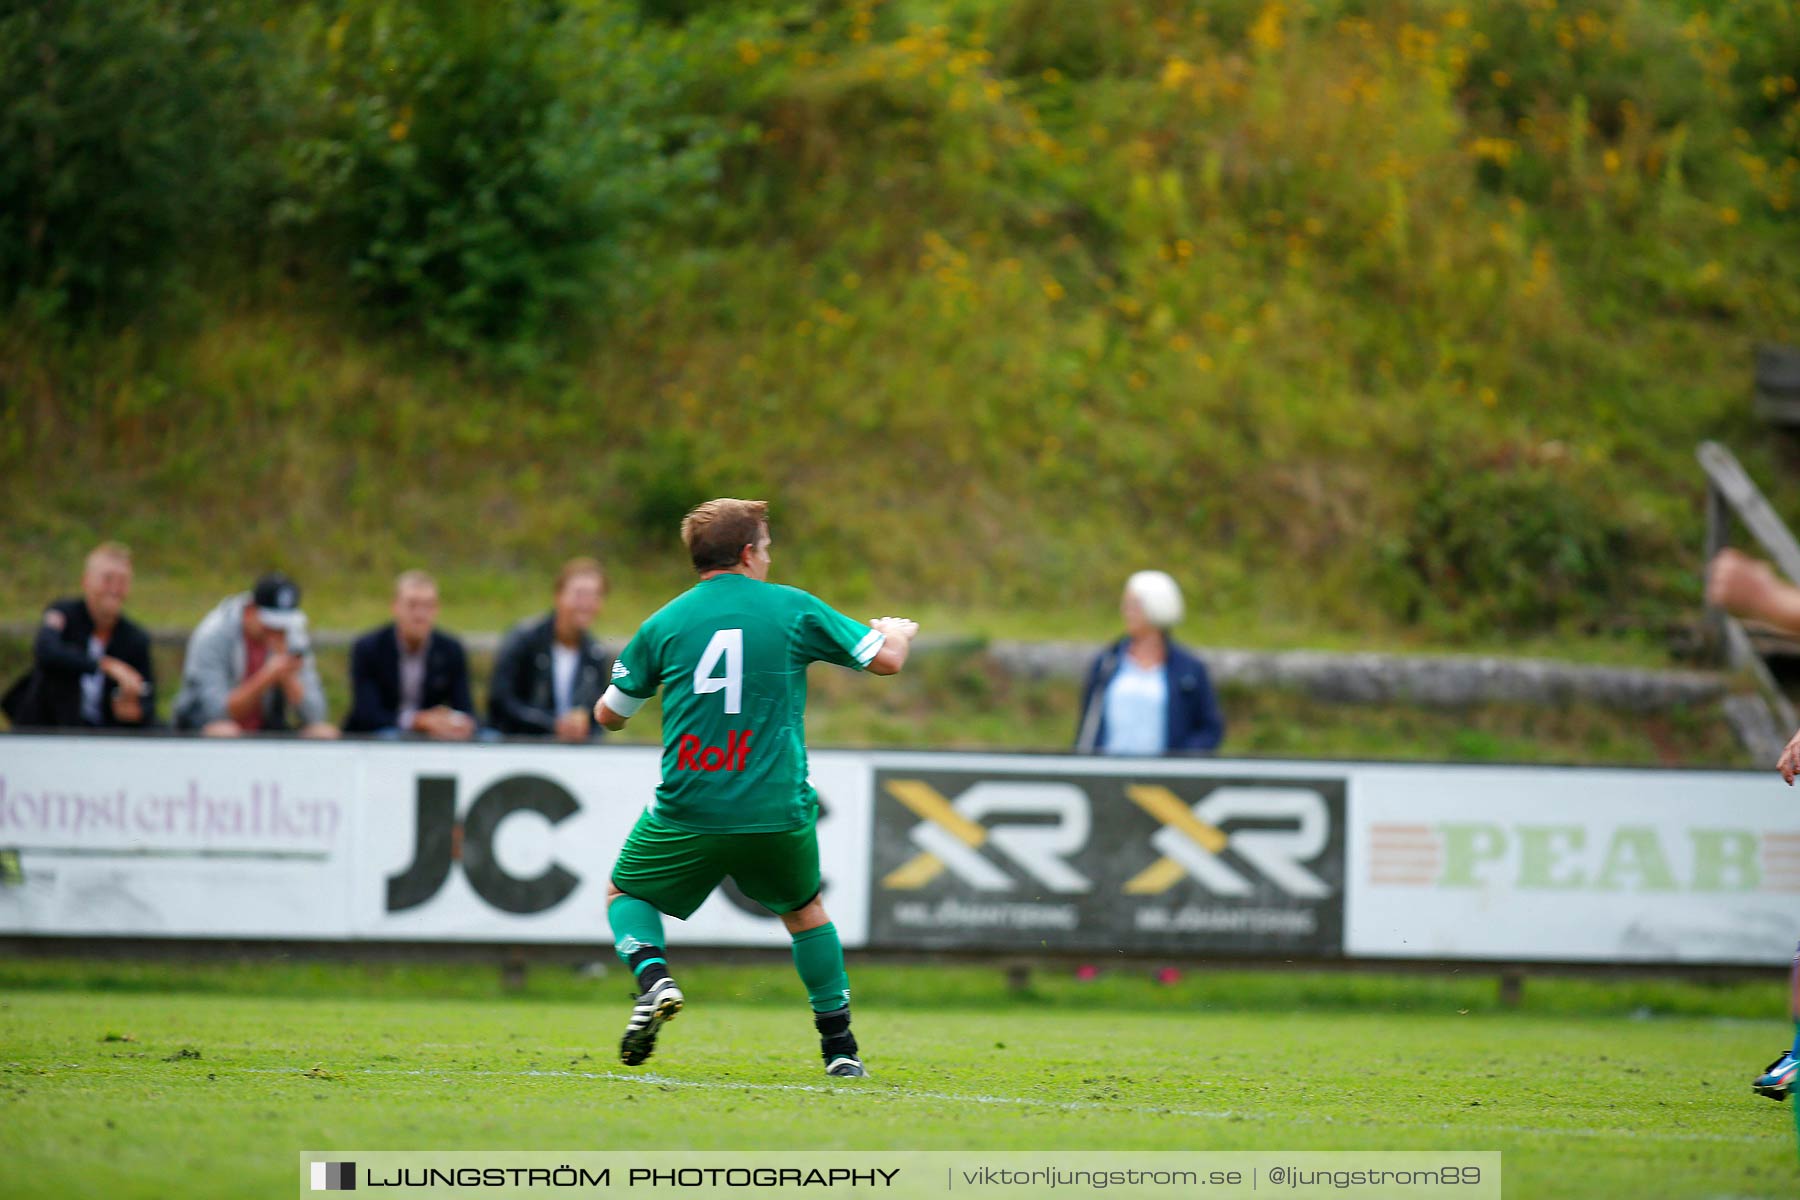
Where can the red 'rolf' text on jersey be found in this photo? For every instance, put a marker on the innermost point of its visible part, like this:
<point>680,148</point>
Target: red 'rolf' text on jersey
<point>691,756</point>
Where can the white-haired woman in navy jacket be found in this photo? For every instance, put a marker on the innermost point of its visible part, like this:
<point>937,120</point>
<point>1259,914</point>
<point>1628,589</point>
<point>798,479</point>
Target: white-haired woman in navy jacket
<point>1145,694</point>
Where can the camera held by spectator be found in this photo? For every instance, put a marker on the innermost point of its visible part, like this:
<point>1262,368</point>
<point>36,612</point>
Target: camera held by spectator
<point>250,668</point>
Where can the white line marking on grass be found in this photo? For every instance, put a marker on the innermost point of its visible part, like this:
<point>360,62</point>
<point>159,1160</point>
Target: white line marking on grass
<point>878,1092</point>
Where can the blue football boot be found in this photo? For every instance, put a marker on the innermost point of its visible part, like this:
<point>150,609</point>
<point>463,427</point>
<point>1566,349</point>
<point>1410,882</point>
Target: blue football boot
<point>1777,1083</point>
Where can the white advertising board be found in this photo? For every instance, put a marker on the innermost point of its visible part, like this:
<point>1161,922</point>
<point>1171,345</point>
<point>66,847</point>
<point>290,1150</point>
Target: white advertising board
<point>516,843</point>
<point>168,838</point>
<point>368,840</point>
<point>1575,865</point>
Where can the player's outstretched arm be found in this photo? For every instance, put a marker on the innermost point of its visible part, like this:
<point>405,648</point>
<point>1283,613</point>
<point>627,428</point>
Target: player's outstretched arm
<point>1747,587</point>
<point>1789,763</point>
<point>892,656</point>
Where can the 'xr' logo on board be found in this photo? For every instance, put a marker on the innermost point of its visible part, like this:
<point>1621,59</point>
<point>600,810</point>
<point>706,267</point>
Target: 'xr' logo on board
<point>953,836</point>
<point>1191,840</point>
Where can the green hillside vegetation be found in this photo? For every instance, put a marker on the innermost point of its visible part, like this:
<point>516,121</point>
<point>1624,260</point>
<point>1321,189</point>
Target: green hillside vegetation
<point>1376,323</point>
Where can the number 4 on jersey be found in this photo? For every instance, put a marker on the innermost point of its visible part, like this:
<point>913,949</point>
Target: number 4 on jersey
<point>727,644</point>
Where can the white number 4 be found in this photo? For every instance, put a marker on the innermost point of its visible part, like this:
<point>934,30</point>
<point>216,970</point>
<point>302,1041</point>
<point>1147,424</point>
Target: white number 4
<point>727,644</point>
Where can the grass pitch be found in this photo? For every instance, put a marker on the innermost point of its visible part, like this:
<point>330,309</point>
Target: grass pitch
<point>109,1087</point>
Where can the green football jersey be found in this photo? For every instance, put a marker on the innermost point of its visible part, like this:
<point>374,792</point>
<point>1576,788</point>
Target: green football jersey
<point>730,656</point>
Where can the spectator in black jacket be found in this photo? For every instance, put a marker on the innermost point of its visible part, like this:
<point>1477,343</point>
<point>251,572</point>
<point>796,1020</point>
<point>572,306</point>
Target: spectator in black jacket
<point>406,677</point>
<point>90,665</point>
<point>550,671</point>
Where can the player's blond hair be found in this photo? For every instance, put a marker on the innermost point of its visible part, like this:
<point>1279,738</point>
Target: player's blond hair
<point>717,532</point>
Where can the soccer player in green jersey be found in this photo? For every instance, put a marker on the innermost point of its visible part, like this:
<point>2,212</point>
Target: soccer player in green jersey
<point>730,655</point>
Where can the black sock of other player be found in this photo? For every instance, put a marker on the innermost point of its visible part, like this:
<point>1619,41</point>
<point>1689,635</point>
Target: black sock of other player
<point>835,1037</point>
<point>648,965</point>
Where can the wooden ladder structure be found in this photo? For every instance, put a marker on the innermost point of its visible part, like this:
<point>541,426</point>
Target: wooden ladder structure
<point>1765,721</point>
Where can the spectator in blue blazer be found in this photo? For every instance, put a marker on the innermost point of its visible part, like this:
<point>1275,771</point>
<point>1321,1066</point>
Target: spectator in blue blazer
<point>407,677</point>
<point>1145,694</point>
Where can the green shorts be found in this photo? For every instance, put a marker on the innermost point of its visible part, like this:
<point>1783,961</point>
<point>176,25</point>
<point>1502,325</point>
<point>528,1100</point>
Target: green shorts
<point>676,871</point>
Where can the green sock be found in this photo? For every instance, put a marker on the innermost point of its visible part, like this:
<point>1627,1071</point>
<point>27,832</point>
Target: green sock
<point>636,927</point>
<point>819,957</point>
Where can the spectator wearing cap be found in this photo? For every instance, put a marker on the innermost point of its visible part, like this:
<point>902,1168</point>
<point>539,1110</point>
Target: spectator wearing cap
<point>90,664</point>
<point>408,677</point>
<point>250,668</point>
<point>1145,694</point>
<point>550,672</point>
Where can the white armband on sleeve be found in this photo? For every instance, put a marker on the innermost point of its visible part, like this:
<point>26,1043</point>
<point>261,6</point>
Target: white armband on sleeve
<point>869,647</point>
<point>619,702</point>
